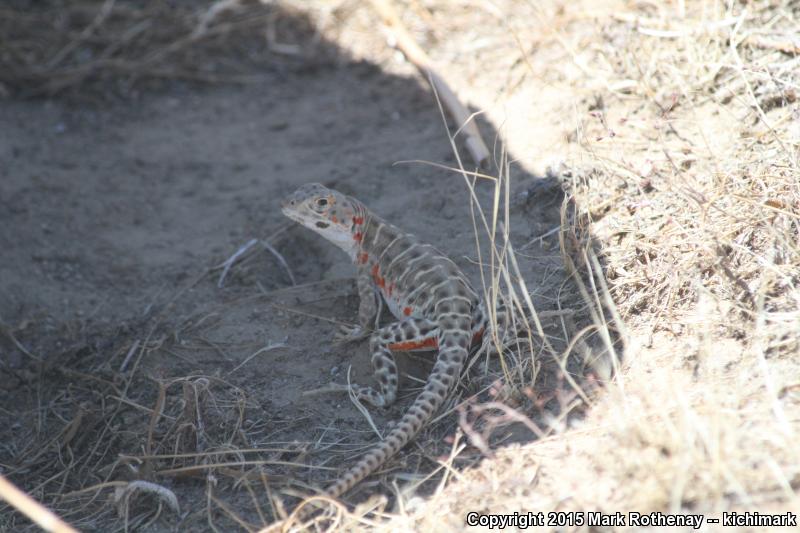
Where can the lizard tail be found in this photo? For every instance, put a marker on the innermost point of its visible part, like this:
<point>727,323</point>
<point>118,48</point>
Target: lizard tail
<point>453,351</point>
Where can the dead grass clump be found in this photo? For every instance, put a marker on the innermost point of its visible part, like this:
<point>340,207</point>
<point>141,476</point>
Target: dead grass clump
<point>52,46</point>
<point>196,429</point>
<point>706,206</point>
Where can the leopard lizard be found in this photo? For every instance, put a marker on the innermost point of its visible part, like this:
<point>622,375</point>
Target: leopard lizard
<point>434,302</point>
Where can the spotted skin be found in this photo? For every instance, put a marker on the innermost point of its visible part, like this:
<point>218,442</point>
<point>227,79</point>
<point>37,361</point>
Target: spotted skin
<point>433,301</point>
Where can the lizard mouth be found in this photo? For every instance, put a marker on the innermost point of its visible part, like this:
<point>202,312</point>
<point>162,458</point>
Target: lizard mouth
<point>290,213</point>
<point>303,221</point>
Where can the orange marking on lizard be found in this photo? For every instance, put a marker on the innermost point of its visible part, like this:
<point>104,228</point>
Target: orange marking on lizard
<point>414,345</point>
<point>477,336</point>
<point>358,236</point>
<point>379,281</point>
<point>334,219</point>
<point>358,220</point>
<point>363,258</point>
<point>407,311</point>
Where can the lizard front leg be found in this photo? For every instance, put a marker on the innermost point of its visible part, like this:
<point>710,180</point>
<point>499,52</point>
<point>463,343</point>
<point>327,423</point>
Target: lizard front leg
<point>368,309</point>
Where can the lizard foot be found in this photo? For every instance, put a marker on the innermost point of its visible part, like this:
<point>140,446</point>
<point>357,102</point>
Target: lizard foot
<point>349,333</point>
<point>367,394</point>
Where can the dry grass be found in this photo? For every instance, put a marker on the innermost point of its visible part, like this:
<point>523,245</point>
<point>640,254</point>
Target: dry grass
<point>90,46</point>
<point>683,171</point>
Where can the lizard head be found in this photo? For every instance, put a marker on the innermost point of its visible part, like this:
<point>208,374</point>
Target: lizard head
<point>327,212</point>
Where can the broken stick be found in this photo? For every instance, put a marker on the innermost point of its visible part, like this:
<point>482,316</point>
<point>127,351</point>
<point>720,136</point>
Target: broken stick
<point>462,117</point>
<point>34,510</point>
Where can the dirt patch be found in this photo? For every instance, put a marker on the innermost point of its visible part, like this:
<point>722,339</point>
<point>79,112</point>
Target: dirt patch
<point>124,356</point>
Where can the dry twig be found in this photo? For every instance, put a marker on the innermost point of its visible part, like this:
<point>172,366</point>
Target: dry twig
<point>34,510</point>
<point>465,121</point>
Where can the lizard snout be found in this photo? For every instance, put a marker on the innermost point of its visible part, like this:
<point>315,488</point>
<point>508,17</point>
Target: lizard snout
<point>288,202</point>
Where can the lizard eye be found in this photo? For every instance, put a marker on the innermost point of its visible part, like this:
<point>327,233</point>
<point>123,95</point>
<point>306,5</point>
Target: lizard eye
<point>322,202</point>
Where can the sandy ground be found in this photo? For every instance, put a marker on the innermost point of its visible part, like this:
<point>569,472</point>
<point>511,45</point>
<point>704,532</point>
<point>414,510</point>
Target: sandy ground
<point>112,214</point>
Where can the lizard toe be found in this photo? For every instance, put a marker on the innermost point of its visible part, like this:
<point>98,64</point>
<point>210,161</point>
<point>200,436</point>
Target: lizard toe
<point>349,333</point>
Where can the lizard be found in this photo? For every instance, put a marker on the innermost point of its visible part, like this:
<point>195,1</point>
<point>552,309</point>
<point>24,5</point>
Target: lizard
<point>432,299</point>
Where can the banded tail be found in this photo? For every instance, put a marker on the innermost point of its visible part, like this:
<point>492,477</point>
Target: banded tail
<point>454,347</point>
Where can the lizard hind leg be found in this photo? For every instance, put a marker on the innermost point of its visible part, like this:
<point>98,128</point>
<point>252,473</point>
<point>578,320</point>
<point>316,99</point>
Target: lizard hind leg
<point>406,335</point>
